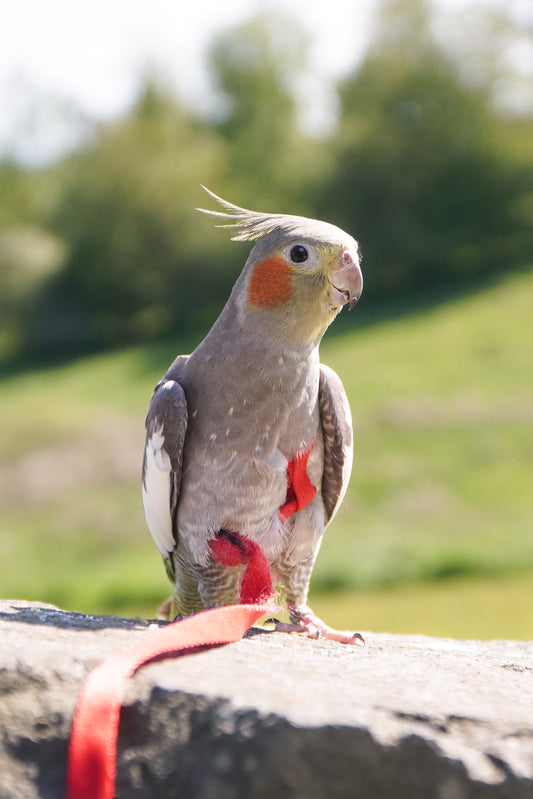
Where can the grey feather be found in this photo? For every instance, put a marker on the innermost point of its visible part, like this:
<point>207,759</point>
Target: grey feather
<point>168,410</point>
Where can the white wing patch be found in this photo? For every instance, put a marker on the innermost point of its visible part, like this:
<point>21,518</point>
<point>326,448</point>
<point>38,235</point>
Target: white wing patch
<point>156,444</point>
<point>156,493</point>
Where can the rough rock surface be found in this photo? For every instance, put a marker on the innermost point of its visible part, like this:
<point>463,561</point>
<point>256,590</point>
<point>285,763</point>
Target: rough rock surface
<point>274,715</point>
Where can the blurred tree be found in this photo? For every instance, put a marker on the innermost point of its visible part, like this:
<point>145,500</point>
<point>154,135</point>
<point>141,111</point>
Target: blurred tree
<point>255,68</point>
<point>137,265</point>
<point>423,173</point>
<point>426,168</point>
<point>29,254</point>
<point>140,262</point>
<point>16,205</point>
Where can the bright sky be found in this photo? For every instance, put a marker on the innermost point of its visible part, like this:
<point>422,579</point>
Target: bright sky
<point>89,55</point>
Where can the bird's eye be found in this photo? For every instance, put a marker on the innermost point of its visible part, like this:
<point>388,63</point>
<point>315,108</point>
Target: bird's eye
<point>299,254</point>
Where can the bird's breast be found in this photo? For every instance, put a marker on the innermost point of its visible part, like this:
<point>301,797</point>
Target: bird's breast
<point>236,454</point>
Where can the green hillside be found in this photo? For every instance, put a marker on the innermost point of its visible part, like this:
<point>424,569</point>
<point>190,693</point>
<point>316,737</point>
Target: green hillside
<point>443,407</point>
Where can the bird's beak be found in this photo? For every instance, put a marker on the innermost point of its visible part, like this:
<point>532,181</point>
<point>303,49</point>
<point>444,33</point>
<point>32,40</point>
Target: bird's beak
<point>346,282</point>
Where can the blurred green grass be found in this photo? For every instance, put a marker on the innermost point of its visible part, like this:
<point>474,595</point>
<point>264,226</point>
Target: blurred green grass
<point>473,607</point>
<point>440,504</point>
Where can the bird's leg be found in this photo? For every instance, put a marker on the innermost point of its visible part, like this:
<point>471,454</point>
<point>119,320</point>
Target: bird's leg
<point>165,610</point>
<point>303,620</point>
<point>294,578</point>
<point>219,585</point>
<point>197,587</point>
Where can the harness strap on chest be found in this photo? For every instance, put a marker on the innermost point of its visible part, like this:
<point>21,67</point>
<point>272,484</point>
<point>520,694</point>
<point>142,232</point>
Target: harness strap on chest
<point>232,549</point>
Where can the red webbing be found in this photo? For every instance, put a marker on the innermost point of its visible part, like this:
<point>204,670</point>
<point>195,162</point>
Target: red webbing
<point>91,766</point>
<point>230,549</point>
<point>300,490</point>
<point>93,742</point>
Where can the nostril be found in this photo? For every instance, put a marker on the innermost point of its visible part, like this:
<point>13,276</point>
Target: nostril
<point>347,258</point>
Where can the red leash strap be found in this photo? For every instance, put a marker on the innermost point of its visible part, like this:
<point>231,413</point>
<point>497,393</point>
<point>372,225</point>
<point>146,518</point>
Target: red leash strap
<point>92,755</point>
<point>93,742</point>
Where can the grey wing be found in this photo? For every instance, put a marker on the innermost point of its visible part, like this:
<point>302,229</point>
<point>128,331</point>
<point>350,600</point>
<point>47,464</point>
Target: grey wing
<point>337,433</point>
<point>166,426</point>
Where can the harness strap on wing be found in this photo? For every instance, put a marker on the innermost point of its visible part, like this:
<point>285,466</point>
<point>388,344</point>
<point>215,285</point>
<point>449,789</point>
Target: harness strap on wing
<point>300,490</point>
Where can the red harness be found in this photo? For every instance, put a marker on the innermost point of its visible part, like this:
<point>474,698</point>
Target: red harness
<point>93,741</point>
<point>300,490</point>
<point>231,548</point>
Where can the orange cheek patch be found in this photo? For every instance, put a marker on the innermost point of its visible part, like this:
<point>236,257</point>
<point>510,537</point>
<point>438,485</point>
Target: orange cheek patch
<point>270,283</point>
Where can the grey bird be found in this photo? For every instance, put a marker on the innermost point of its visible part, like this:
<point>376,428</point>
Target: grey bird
<point>227,423</point>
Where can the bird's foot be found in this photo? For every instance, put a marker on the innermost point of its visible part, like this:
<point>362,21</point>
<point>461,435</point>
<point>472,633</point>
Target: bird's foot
<point>303,620</point>
<point>164,610</point>
<point>167,611</point>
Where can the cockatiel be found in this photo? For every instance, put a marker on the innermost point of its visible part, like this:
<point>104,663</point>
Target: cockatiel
<point>250,436</point>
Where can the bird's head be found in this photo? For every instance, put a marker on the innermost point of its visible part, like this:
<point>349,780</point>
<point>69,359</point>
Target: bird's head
<point>300,273</point>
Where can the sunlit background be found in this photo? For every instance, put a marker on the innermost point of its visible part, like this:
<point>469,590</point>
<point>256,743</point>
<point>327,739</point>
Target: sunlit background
<point>407,122</point>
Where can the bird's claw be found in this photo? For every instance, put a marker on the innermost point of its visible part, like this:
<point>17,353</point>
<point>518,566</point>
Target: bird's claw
<point>304,620</point>
<point>298,627</point>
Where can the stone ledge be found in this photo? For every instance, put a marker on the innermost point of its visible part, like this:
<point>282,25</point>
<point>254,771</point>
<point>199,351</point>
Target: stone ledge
<point>274,715</point>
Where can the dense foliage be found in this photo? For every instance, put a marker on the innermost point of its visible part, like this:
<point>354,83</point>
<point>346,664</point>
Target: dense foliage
<point>423,166</point>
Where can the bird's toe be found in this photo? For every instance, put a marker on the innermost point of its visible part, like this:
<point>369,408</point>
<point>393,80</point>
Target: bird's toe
<point>303,620</point>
